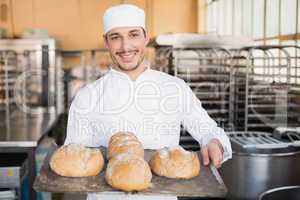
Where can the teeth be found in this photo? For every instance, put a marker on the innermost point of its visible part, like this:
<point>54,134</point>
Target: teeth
<point>127,55</point>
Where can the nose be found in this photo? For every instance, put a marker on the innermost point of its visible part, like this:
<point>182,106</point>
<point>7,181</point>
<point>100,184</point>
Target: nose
<point>125,44</point>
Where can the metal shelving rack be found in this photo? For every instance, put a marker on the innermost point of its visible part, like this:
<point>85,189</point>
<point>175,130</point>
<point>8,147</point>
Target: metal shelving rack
<point>207,70</point>
<point>247,89</point>
<point>263,89</point>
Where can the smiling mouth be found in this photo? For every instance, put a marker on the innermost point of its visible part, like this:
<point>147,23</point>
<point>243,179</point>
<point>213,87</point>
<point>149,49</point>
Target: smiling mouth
<point>127,56</point>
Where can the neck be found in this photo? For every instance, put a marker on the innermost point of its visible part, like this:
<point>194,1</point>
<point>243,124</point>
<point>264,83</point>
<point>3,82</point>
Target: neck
<point>134,74</point>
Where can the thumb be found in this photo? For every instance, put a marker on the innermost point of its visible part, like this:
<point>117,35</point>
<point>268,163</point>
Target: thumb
<point>205,155</point>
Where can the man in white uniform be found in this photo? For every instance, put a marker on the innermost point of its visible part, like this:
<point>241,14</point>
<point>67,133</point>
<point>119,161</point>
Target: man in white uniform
<point>132,97</point>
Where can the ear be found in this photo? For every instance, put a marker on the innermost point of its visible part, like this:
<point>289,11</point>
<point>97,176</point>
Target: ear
<point>105,41</point>
<point>147,37</point>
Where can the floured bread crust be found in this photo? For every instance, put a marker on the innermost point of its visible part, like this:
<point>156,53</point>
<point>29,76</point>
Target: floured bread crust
<point>75,160</point>
<point>128,172</point>
<point>175,163</point>
<point>124,142</point>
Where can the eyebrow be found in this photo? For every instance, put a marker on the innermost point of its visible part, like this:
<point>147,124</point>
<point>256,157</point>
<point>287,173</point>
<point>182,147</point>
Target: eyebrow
<point>113,34</point>
<point>117,34</point>
<point>134,31</point>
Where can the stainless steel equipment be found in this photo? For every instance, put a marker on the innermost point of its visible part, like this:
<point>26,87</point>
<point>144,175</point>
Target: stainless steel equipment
<point>254,88</point>
<point>13,169</point>
<point>288,192</point>
<point>24,135</point>
<point>31,98</point>
<point>287,133</point>
<point>8,72</point>
<point>260,162</point>
<point>262,91</point>
<point>265,85</point>
<point>14,176</point>
<point>7,195</point>
<point>32,75</point>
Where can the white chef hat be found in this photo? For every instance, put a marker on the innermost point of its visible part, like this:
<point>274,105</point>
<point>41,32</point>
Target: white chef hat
<point>124,15</point>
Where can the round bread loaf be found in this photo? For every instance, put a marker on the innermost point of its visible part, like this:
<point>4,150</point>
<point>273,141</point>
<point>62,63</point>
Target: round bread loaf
<point>121,136</point>
<point>128,172</point>
<point>124,142</point>
<point>175,163</point>
<point>75,160</point>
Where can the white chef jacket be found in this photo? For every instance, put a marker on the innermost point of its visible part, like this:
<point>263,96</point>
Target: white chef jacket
<point>152,107</point>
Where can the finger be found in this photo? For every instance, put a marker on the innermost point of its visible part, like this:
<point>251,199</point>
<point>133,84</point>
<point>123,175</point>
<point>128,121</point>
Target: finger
<point>217,163</point>
<point>205,155</point>
<point>216,156</point>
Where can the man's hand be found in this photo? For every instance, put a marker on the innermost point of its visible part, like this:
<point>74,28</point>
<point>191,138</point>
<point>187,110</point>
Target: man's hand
<point>213,152</point>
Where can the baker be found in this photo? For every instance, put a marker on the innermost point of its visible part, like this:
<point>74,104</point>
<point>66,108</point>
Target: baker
<point>133,97</point>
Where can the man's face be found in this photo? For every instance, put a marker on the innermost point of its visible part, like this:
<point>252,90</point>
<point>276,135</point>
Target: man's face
<point>127,46</point>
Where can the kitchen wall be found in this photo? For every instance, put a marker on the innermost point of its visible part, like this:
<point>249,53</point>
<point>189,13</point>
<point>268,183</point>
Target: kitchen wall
<point>78,23</point>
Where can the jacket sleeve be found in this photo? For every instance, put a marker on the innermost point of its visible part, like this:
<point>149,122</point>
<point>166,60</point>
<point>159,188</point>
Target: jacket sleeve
<point>199,124</point>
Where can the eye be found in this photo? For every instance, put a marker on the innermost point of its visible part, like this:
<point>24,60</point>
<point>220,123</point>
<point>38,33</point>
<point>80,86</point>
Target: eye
<point>134,35</point>
<point>114,37</point>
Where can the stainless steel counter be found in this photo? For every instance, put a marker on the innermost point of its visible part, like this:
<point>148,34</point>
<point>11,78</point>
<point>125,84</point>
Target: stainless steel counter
<point>24,130</point>
<point>22,134</point>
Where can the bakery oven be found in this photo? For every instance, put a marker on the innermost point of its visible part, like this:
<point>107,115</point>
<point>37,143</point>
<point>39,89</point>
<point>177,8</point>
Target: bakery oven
<point>31,76</point>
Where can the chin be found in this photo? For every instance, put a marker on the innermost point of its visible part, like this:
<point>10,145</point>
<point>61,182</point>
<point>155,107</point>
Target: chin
<point>128,67</point>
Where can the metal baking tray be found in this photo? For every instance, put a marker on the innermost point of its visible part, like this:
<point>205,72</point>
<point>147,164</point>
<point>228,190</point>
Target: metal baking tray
<point>207,184</point>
